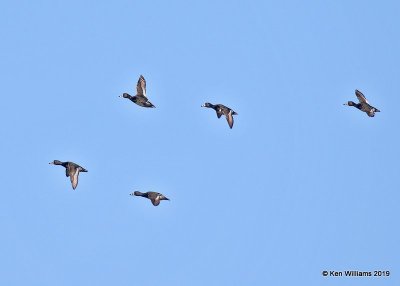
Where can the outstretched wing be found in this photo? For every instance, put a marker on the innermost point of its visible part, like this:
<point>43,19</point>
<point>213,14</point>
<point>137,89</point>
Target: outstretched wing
<point>141,86</point>
<point>361,97</point>
<point>73,175</point>
<point>155,201</point>
<point>229,118</point>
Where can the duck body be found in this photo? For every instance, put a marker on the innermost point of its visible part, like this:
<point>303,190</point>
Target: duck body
<point>154,197</point>
<point>140,98</point>
<point>72,170</point>
<point>221,109</point>
<point>363,104</point>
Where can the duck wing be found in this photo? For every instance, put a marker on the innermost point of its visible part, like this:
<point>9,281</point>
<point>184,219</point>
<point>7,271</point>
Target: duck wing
<point>361,97</point>
<point>141,86</point>
<point>74,178</point>
<point>73,173</point>
<point>154,197</point>
<point>229,118</point>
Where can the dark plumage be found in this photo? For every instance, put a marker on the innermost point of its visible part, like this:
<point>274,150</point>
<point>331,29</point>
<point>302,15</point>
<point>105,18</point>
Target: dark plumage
<point>221,109</point>
<point>71,170</point>
<point>363,104</point>
<point>154,197</point>
<point>140,98</point>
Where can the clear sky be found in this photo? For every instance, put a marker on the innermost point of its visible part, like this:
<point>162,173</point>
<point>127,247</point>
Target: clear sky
<point>301,184</point>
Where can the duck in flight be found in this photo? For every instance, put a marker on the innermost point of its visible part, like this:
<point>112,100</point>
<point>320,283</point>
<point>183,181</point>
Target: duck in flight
<point>71,170</point>
<point>140,98</point>
<point>363,104</point>
<point>154,197</point>
<point>221,109</point>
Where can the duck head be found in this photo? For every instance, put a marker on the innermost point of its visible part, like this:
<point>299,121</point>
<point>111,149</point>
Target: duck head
<point>125,95</point>
<point>56,162</point>
<point>350,103</point>
<point>137,193</point>
<point>207,104</point>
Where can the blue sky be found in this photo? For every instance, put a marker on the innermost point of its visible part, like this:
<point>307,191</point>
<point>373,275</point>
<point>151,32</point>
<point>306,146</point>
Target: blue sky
<point>301,184</point>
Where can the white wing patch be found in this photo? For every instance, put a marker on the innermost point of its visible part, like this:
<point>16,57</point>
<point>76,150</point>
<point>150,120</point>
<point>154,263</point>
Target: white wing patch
<point>74,179</point>
<point>141,86</point>
<point>229,118</point>
<point>144,90</point>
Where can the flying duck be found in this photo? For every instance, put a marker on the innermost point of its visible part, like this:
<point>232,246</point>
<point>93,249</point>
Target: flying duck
<point>221,109</point>
<point>154,197</point>
<point>71,170</point>
<point>363,104</point>
<point>140,98</point>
